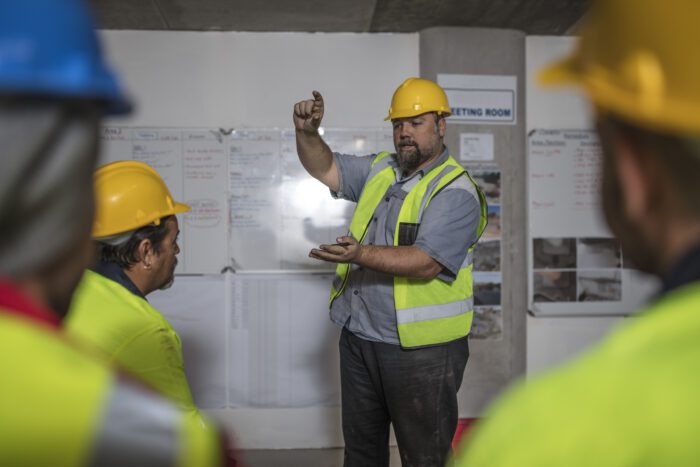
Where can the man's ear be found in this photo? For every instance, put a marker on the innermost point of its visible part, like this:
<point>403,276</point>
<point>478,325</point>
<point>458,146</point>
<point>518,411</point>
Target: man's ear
<point>442,126</point>
<point>634,176</point>
<point>145,253</point>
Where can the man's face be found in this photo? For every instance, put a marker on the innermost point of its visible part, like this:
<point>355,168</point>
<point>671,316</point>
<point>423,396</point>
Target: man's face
<point>417,139</point>
<point>166,259</point>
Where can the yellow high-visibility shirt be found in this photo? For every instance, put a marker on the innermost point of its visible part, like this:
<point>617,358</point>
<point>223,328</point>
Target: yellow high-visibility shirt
<point>634,400</point>
<point>62,407</point>
<point>132,333</point>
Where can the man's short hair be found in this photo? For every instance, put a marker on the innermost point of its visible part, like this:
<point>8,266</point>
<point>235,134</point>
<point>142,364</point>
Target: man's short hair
<point>127,254</point>
<point>677,158</point>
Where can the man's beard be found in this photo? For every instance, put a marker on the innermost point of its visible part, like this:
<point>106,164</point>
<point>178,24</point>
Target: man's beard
<point>170,281</point>
<point>409,160</point>
<point>168,284</point>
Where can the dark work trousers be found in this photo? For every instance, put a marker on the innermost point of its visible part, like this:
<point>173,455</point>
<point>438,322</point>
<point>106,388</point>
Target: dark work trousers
<point>415,390</point>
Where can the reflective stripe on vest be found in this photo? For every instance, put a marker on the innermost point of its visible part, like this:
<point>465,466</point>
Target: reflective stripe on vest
<point>427,311</point>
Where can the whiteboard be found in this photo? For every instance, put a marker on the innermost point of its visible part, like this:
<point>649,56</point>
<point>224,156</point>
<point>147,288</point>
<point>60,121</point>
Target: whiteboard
<point>193,164</point>
<point>254,207</point>
<point>576,267</point>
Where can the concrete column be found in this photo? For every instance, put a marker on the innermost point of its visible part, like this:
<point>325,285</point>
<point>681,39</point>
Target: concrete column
<point>455,50</point>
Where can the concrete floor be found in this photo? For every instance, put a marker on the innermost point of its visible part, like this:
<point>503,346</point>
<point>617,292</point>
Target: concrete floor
<point>302,457</point>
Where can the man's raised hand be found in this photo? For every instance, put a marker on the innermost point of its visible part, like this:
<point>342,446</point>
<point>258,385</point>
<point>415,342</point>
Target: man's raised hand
<point>309,113</point>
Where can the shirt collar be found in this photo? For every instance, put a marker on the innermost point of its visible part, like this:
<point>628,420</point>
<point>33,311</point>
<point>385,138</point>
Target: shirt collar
<point>686,270</point>
<point>115,272</point>
<point>13,300</point>
<point>441,159</point>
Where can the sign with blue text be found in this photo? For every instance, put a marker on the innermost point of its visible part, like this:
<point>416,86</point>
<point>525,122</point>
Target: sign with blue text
<point>484,99</point>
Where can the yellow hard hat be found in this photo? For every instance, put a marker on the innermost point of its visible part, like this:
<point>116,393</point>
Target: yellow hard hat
<point>637,60</point>
<point>417,96</point>
<point>129,195</point>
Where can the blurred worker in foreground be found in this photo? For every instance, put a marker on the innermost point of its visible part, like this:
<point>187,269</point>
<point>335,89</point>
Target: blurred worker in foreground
<point>136,233</point>
<point>60,405</point>
<point>632,400</point>
<point>403,288</point>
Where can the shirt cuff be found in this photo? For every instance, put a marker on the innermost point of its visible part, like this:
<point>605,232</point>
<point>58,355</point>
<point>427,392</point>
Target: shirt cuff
<point>338,194</point>
<point>448,272</point>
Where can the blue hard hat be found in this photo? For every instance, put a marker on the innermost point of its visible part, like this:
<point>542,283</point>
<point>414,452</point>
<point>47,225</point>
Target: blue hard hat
<point>50,48</point>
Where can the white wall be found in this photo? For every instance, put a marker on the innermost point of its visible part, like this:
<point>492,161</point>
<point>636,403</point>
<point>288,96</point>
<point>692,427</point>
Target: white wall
<point>219,79</point>
<point>553,340</point>
<point>203,79</point>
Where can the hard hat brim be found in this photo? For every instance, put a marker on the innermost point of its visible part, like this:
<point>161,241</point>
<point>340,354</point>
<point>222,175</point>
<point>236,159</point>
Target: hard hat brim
<point>178,208</point>
<point>181,207</point>
<point>407,114</point>
<point>566,71</point>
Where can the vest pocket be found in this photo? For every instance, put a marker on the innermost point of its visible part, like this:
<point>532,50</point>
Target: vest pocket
<point>408,231</point>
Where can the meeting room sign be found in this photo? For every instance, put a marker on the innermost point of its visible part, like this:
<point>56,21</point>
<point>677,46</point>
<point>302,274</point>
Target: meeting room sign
<point>489,99</point>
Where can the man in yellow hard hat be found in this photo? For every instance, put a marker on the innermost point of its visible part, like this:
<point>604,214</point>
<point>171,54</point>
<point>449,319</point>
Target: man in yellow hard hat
<point>61,405</point>
<point>403,287</point>
<point>633,399</point>
<point>136,233</point>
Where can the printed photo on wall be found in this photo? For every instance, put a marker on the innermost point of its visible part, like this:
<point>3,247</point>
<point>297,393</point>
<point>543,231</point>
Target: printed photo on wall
<point>487,255</point>
<point>487,323</point>
<point>493,229</point>
<point>577,269</point>
<point>487,288</point>
<point>489,180</point>
<point>554,286</point>
<point>554,253</point>
<point>600,286</point>
<point>599,253</point>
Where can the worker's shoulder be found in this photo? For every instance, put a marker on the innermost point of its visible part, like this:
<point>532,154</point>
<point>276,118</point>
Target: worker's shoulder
<point>639,383</point>
<point>652,351</point>
<point>460,192</point>
<point>24,344</point>
<point>101,299</point>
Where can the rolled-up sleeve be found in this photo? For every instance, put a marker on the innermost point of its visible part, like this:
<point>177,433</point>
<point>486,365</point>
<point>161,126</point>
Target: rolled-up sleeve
<point>449,226</point>
<point>352,174</point>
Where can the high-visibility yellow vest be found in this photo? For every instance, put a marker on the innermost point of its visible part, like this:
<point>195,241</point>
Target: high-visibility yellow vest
<point>131,332</point>
<point>60,407</point>
<point>633,400</point>
<point>427,311</point>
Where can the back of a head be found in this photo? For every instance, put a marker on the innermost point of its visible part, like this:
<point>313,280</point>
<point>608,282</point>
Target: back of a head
<point>634,64</point>
<point>54,88</point>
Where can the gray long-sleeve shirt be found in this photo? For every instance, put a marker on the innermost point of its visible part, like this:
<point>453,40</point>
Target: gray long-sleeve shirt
<point>447,230</point>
